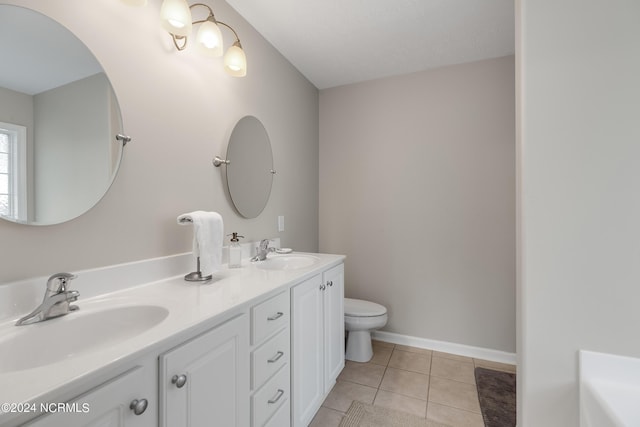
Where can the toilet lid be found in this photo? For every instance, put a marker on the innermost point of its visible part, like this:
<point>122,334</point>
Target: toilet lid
<point>361,308</point>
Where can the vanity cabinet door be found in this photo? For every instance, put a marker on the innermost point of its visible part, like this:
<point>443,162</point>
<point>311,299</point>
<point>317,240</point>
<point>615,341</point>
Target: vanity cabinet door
<point>317,340</point>
<point>205,381</point>
<point>113,404</point>
<point>307,350</point>
<point>333,280</point>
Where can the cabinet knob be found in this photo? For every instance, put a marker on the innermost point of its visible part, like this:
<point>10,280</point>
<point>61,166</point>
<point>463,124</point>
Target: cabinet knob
<point>323,287</point>
<point>330,283</point>
<point>139,406</point>
<point>179,380</point>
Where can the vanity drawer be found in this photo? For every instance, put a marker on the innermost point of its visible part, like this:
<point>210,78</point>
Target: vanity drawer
<point>270,397</point>
<point>270,357</point>
<point>282,417</point>
<point>269,316</point>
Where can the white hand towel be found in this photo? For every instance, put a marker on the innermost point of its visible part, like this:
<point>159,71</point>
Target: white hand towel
<point>208,235</point>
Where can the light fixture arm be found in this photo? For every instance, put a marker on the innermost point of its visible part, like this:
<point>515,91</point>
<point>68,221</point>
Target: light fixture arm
<point>232,30</point>
<point>211,17</point>
<point>182,46</point>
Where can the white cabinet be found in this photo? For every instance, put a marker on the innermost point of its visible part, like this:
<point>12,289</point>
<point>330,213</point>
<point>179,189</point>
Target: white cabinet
<point>307,368</point>
<point>317,331</point>
<point>128,400</point>
<point>270,369</point>
<point>207,378</point>
<point>333,279</point>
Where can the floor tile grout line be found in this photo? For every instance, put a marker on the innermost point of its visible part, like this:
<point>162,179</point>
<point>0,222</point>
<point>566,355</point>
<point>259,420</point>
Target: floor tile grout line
<point>382,377</point>
<point>456,407</point>
<point>408,370</point>
<point>379,384</point>
<point>403,395</point>
<point>452,379</point>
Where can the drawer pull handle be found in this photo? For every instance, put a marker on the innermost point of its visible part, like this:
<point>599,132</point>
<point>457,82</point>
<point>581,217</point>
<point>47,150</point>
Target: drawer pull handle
<point>139,406</point>
<point>277,397</point>
<point>276,316</point>
<point>179,380</point>
<point>275,358</point>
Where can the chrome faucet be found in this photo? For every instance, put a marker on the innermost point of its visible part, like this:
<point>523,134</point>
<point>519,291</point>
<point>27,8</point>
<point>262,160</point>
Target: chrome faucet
<point>56,300</point>
<point>262,251</point>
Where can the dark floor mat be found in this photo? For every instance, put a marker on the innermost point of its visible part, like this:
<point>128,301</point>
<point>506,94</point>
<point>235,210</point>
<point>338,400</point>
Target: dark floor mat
<point>497,394</point>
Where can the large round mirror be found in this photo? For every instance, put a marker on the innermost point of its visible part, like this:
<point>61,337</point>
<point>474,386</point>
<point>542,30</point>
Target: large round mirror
<point>59,118</point>
<point>250,169</point>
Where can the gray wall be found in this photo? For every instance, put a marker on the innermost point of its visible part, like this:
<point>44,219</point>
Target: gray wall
<point>579,196</point>
<point>16,107</point>
<point>417,188</point>
<point>180,110</point>
<point>71,127</point>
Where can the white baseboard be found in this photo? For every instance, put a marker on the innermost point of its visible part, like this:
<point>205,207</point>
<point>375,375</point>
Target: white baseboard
<point>446,347</point>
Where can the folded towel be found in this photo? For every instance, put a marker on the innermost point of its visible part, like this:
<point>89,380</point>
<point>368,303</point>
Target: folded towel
<point>208,235</point>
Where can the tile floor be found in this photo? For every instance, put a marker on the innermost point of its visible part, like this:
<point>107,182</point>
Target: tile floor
<point>431,384</point>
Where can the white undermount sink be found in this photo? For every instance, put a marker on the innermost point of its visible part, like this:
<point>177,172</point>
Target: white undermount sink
<point>288,262</point>
<point>609,390</point>
<point>48,342</point>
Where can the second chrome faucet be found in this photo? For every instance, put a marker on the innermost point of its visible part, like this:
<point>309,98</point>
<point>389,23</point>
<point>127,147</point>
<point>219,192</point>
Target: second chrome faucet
<point>262,250</point>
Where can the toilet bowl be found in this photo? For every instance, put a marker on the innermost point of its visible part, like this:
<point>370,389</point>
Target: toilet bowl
<point>360,318</point>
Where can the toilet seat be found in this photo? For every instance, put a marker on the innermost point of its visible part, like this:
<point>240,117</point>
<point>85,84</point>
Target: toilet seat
<point>361,308</point>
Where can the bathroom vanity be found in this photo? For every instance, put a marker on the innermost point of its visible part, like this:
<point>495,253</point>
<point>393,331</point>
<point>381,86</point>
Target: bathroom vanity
<point>260,345</point>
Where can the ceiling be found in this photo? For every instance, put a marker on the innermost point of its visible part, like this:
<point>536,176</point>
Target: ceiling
<point>338,42</point>
<point>39,54</point>
<point>331,42</point>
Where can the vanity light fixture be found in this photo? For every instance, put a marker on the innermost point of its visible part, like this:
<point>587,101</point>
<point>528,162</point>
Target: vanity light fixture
<point>177,20</point>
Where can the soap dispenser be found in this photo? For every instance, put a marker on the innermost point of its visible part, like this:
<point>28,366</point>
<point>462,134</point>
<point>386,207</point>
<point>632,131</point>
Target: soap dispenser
<point>235,251</point>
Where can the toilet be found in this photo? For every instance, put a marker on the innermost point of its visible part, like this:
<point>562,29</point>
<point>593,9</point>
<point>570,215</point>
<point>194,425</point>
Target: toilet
<point>360,318</point>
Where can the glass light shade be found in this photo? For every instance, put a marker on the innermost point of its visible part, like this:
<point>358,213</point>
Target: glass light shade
<point>176,17</point>
<point>135,2</point>
<point>209,39</point>
<point>235,61</point>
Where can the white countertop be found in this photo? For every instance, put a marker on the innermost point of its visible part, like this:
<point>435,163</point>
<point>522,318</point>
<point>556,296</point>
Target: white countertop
<point>193,307</point>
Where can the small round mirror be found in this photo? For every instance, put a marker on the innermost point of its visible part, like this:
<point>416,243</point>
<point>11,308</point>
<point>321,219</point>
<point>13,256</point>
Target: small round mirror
<point>250,169</point>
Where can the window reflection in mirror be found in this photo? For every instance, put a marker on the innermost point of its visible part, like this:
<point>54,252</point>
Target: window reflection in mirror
<point>13,169</point>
